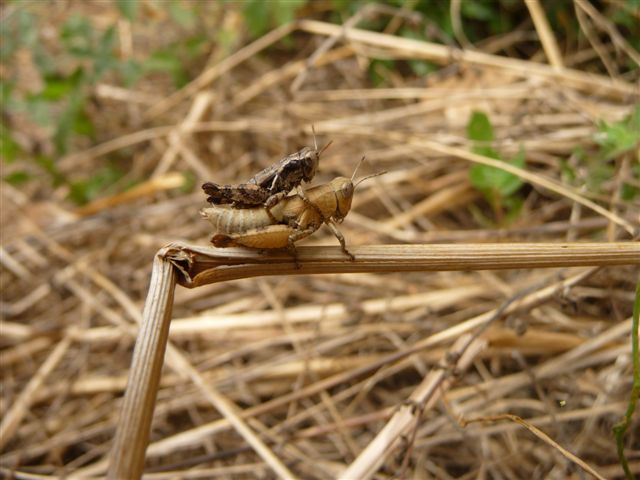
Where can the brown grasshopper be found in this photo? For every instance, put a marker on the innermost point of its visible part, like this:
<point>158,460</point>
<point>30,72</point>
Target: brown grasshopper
<point>270,185</point>
<point>290,220</point>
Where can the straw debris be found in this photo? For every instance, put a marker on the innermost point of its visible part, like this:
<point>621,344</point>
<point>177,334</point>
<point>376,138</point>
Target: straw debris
<point>403,364</point>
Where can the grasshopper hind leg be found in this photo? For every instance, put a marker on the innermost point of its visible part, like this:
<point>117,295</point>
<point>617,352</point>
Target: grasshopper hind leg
<point>293,238</point>
<point>307,202</point>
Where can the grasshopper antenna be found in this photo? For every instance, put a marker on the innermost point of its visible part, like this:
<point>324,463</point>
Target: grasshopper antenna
<point>325,147</point>
<point>315,143</point>
<point>364,178</point>
<point>357,167</point>
<point>368,177</point>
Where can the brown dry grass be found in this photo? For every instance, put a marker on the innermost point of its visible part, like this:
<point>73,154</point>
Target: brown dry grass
<point>298,375</point>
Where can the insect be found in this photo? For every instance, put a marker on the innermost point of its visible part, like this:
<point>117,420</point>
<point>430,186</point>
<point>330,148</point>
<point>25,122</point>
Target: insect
<point>270,185</point>
<point>290,220</point>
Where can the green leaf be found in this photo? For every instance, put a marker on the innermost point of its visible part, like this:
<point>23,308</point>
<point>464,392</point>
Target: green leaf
<point>629,192</point>
<point>17,178</point>
<point>260,15</point>
<point>479,128</point>
<point>17,31</point>
<point>74,106</point>
<point>130,70</point>
<point>284,10</point>
<point>511,183</point>
<point>620,429</point>
<point>513,205</point>
<point>104,56</point>
<point>195,45</point>
<point>57,88</point>
<point>45,62</point>
<point>167,61</point>
<point>477,10</point>
<point>77,36</point>
<point>568,172</point>
<point>494,183</point>
<point>128,8</point>
<point>188,182</point>
<point>49,166</point>
<point>9,149</point>
<point>38,109</point>
<point>162,61</point>
<point>83,125</point>
<point>422,68</point>
<point>419,67</point>
<point>619,137</point>
<point>378,69</point>
<point>83,191</point>
<point>185,17</point>
<point>256,15</point>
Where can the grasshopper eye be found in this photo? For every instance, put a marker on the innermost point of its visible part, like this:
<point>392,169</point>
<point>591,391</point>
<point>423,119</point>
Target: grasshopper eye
<point>347,190</point>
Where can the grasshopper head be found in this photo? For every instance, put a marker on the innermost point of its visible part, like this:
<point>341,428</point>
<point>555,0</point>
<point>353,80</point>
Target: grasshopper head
<point>310,159</point>
<point>344,188</point>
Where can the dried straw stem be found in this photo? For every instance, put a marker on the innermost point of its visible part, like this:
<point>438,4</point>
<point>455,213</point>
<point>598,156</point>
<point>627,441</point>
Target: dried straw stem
<point>203,265</point>
<point>194,266</point>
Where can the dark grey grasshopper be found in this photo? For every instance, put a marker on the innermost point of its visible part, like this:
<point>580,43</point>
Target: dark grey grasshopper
<point>270,185</point>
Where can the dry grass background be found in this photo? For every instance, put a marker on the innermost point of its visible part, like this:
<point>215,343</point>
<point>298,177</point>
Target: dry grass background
<point>317,365</point>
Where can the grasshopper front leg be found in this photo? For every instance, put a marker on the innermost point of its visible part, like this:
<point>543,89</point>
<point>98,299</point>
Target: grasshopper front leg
<point>334,229</point>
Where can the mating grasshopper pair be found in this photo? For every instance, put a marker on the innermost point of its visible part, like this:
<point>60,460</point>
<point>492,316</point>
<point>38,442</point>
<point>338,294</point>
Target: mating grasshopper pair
<point>259,214</point>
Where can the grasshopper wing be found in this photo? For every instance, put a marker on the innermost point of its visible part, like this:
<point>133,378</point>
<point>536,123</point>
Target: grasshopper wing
<point>243,195</point>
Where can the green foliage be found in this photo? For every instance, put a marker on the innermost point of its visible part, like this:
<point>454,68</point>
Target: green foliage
<point>379,70</point>
<point>171,59</point>
<point>49,166</point>
<point>17,178</point>
<point>128,8</point>
<point>498,187</point>
<point>188,182</point>
<point>613,140</point>
<point>20,31</point>
<point>182,15</point>
<point>620,137</point>
<point>83,191</point>
<point>262,16</point>
<point>420,68</point>
<point>9,149</point>
<point>86,55</point>
<point>620,429</point>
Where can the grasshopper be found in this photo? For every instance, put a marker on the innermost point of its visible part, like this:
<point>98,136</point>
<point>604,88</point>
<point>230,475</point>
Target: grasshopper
<point>291,219</point>
<point>270,185</point>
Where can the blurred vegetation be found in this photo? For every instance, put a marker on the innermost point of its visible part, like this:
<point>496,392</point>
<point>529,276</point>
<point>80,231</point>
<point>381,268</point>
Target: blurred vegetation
<point>499,187</point>
<point>55,54</point>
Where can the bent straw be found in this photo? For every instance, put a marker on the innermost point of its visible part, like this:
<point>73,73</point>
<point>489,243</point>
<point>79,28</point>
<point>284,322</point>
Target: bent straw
<point>193,266</point>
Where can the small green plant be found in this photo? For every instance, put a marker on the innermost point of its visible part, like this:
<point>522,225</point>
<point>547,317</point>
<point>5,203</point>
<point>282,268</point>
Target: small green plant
<point>614,141</point>
<point>620,429</point>
<point>261,16</point>
<point>59,101</point>
<point>500,188</point>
